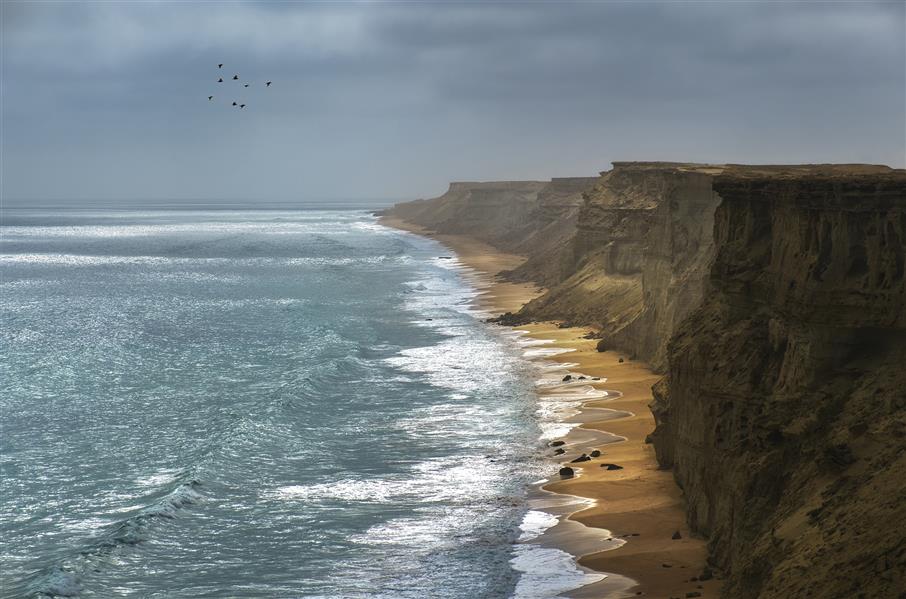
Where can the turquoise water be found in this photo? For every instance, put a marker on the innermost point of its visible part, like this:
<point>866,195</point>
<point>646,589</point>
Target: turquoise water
<point>255,404</point>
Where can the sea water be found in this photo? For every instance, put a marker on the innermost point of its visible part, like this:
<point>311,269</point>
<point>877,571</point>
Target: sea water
<point>259,403</point>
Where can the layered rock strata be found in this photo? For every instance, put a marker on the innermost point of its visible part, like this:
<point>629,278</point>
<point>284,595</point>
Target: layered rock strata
<point>783,411</point>
<point>639,257</point>
<point>536,219</point>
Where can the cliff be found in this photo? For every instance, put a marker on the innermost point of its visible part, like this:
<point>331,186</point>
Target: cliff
<point>536,219</point>
<point>783,411</point>
<point>774,298</point>
<point>639,257</point>
<point>626,253</point>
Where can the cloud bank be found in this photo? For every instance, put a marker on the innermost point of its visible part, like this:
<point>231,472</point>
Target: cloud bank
<point>394,99</point>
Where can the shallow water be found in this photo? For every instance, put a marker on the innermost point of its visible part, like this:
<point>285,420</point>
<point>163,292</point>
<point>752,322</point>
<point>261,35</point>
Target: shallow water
<point>259,403</point>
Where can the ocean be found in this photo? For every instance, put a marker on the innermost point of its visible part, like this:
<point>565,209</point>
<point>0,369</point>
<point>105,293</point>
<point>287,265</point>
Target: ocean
<point>259,403</point>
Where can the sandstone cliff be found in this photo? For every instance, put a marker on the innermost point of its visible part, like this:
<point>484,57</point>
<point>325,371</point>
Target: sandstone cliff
<point>639,257</point>
<point>626,253</point>
<point>536,219</point>
<point>783,412</point>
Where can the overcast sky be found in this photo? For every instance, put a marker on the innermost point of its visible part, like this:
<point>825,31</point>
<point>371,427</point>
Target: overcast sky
<point>107,100</point>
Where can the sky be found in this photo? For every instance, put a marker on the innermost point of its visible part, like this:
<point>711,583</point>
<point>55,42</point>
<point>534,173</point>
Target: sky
<point>109,100</point>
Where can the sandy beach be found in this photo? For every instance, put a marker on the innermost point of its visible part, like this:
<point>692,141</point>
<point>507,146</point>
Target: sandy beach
<point>637,509</point>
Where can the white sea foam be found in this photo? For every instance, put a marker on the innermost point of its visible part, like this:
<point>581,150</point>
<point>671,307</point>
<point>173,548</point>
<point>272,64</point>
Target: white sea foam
<point>534,523</point>
<point>313,224</point>
<point>546,572</point>
<point>543,352</point>
<point>555,430</point>
<point>157,479</point>
<point>89,524</point>
<point>372,491</point>
<point>61,259</point>
<point>533,342</point>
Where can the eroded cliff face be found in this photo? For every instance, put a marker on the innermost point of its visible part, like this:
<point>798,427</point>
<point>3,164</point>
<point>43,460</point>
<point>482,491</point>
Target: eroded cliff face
<point>639,257</point>
<point>783,412</point>
<point>536,219</point>
<point>626,253</point>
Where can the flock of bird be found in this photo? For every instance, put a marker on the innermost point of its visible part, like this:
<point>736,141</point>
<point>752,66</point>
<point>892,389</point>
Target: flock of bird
<point>235,78</point>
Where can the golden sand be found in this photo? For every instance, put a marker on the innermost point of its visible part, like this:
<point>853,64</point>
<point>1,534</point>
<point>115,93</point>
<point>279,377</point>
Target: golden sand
<point>638,505</point>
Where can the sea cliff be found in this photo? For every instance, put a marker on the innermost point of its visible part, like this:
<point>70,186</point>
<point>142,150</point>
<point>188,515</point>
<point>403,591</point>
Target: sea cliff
<point>773,299</point>
<point>639,256</point>
<point>626,253</point>
<point>536,219</point>
<point>783,412</point>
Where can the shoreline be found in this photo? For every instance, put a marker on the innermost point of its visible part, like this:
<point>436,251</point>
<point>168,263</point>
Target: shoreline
<point>619,522</point>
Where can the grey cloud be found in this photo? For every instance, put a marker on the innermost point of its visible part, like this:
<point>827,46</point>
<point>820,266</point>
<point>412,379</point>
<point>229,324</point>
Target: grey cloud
<point>395,99</point>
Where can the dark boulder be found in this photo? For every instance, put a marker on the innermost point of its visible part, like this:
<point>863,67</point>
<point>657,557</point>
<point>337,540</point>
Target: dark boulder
<point>611,466</point>
<point>581,458</point>
<point>557,443</point>
<point>601,346</point>
<point>595,453</point>
<point>620,360</point>
<point>568,377</point>
<point>676,536</point>
<point>566,472</point>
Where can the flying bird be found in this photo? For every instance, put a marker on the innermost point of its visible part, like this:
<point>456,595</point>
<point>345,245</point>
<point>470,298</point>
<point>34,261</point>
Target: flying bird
<point>210,98</point>
<point>268,84</point>
<point>246,85</point>
<point>220,80</point>
<point>235,77</point>
<point>234,104</point>
<point>242,106</point>
<point>220,66</point>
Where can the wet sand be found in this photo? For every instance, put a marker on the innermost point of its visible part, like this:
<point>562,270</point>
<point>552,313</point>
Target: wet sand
<point>626,530</point>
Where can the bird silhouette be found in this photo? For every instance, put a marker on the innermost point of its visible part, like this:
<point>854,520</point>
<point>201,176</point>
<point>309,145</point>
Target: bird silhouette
<point>242,106</point>
<point>235,77</point>
<point>220,66</point>
<point>246,85</point>
<point>234,104</point>
<point>210,98</point>
<point>268,84</point>
<point>220,80</point>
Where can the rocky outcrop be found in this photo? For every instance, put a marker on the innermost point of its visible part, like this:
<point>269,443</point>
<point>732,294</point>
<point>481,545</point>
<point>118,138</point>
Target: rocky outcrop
<point>783,412</point>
